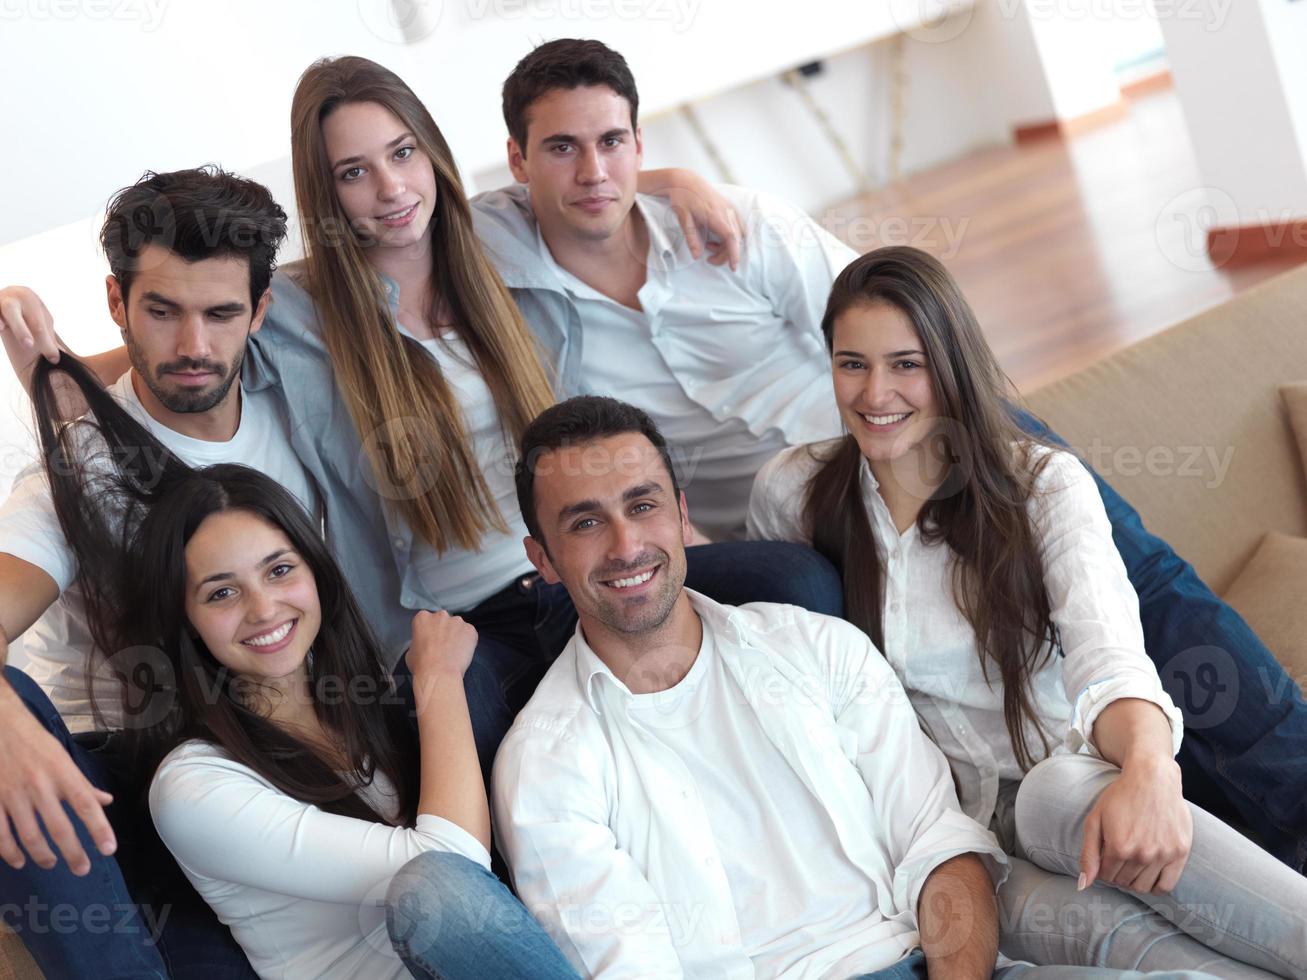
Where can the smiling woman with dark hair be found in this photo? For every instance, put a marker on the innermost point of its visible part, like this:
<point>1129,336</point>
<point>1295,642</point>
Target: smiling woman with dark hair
<point>290,789</point>
<point>980,560</point>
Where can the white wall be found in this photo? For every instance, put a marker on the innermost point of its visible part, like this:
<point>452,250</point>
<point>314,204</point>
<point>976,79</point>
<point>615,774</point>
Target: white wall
<point>99,90</point>
<point>1241,78</point>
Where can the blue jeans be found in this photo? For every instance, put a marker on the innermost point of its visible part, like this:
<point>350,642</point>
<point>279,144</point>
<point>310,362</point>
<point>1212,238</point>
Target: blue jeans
<point>523,628</point>
<point>449,918</point>
<point>115,921</point>
<point>1244,756</point>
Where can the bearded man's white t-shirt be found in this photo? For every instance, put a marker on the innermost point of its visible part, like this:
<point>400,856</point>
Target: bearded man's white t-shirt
<point>59,644</point>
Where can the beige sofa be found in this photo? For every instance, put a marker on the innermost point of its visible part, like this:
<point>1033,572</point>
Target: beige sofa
<point>1189,427</point>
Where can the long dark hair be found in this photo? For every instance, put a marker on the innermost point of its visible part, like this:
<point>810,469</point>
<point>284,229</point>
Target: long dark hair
<point>128,507</point>
<point>980,508</point>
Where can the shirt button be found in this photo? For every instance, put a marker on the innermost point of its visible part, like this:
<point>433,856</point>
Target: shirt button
<point>894,553</point>
<point>685,794</point>
<point>398,542</point>
<point>708,862</point>
<point>895,607</point>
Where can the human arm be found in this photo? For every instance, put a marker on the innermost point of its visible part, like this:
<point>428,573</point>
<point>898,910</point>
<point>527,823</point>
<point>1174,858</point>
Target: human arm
<point>695,202</point>
<point>452,786</point>
<point>223,821</point>
<point>37,775</point>
<point>915,811</point>
<point>794,261</point>
<point>778,498</point>
<point>957,918</point>
<point>1138,833</point>
<point>551,820</point>
<point>27,330</point>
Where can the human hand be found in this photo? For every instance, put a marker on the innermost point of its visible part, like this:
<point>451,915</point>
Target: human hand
<point>27,330</point>
<point>697,204</point>
<point>1139,833</point>
<point>442,644</point>
<point>37,777</point>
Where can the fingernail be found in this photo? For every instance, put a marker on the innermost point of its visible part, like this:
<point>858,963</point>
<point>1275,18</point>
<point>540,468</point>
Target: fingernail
<point>1082,882</point>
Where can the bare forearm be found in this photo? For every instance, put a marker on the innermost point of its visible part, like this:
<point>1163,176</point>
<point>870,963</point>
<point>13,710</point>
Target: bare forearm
<point>452,786</point>
<point>1132,731</point>
<point>958,920</point>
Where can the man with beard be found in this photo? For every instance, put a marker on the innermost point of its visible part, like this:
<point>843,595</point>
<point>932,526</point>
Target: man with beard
<point>699,789</point>
<point>191,256</point>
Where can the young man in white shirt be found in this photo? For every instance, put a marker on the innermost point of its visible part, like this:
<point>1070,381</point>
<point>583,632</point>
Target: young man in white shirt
<point>730,365</point>
<point>707,790</point>
<point>191,255</point>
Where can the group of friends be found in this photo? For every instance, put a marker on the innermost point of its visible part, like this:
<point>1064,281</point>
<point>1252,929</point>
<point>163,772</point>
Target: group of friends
<point>609,576</point>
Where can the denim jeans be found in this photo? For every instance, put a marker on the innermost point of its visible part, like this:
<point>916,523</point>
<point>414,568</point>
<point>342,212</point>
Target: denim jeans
<point>1244,756</point>
<point>523,628</point>
<point>115,921</point>
<point>1236,911</point>
<point>450,919</point>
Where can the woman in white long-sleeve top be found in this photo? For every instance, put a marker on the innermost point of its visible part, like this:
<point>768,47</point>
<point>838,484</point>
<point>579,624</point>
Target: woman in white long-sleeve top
<point>981,562</point>
<point>291,791</point>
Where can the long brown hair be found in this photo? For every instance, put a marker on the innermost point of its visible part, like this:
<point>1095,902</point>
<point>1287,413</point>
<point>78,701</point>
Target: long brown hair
<point>401,404</point>
<point>980,508</point>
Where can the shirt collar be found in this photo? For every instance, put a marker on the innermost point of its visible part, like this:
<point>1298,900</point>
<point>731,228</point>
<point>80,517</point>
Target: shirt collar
<point>666,242</point>
<point>594,676</point>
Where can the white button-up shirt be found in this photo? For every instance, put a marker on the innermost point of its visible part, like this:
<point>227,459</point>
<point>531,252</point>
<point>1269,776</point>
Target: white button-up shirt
<point>731,365</point>
<point>932,647</point>
<point>612,849</point>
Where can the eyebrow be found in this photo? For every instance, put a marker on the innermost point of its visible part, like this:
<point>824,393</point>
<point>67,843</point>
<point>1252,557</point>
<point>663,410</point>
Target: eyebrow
<point>152,297</point>
<point>896,353</point>
<point>650,489</point>
<point>358,159</point>
<point>569,138</point>
<point>225,576</point>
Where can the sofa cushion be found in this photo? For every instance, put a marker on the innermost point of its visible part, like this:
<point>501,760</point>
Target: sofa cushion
<point>1295,400</point>
<point>1268,595</point>
<point>1189,427</point>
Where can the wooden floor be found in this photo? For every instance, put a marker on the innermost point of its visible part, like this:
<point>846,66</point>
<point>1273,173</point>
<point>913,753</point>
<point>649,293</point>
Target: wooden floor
<point>1067,250</point>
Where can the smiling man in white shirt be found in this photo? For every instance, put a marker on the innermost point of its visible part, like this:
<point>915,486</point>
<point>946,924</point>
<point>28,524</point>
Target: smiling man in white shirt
<point>707,790</point>
<point>730,365</point>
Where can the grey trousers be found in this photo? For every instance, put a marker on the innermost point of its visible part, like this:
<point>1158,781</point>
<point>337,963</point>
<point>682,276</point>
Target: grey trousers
<point>1236,911</point>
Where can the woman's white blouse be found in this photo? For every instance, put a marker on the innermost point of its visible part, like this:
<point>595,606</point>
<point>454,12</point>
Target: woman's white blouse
<point>932,647</point>
<point>302,890</point>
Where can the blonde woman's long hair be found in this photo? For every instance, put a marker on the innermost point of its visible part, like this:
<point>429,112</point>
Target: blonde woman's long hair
<point>407,417</point>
